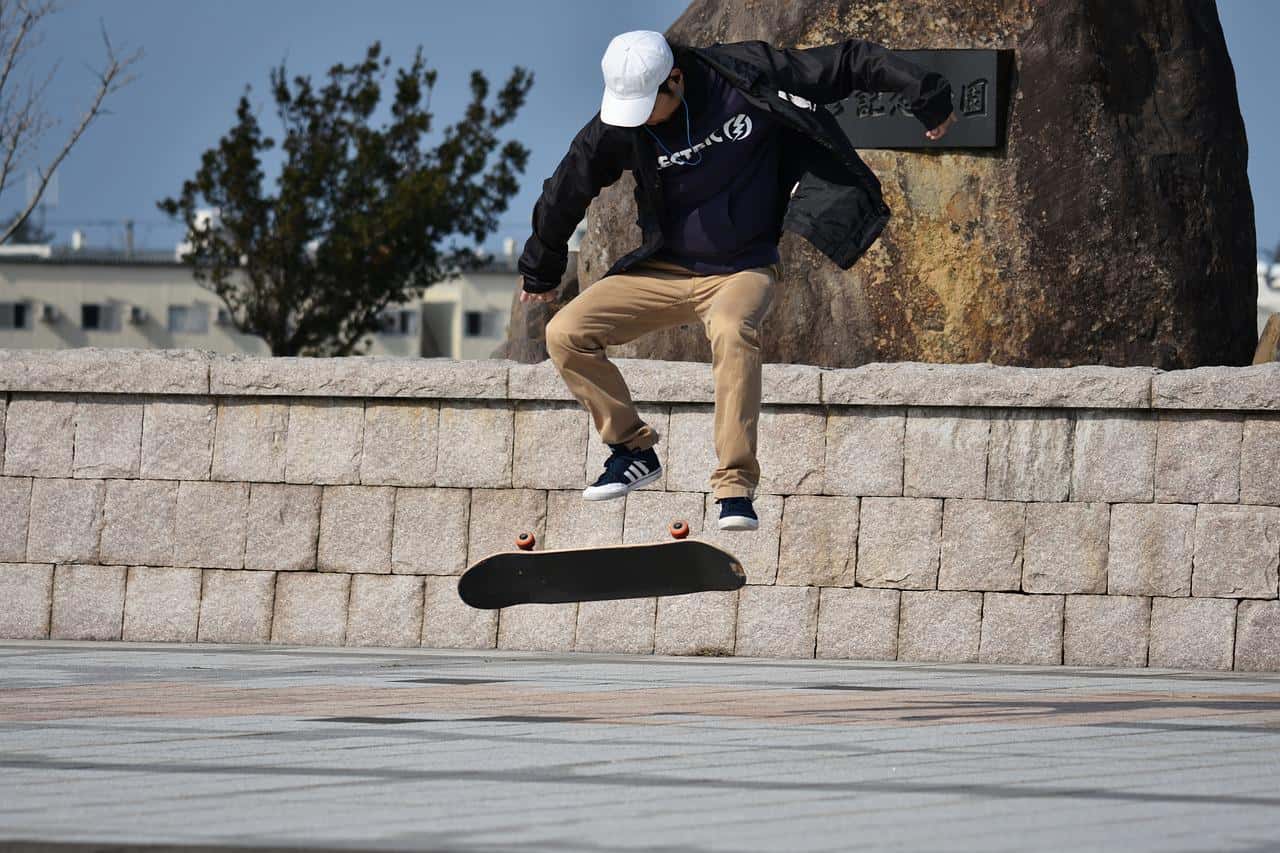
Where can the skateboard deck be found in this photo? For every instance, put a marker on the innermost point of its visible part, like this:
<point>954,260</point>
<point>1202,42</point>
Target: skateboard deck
<point>597,574</point>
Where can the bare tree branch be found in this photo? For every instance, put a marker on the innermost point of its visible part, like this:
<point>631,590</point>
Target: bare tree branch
<point>21,125</point>
<point>14,123</point>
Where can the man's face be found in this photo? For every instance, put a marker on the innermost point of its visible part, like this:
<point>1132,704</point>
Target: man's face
<point>668,102</point>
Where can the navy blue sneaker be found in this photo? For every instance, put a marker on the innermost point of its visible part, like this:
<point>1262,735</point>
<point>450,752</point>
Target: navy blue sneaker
<point>737,514</point>
<point>624,470</point>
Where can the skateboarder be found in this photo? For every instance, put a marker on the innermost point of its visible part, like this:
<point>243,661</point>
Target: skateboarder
<point>728,145</point>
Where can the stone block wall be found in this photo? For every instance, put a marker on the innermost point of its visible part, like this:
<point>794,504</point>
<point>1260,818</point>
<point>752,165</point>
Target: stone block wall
<point>919,512</point>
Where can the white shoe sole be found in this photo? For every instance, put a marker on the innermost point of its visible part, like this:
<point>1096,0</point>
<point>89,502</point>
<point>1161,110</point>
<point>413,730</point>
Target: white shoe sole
<point>617,490</point>
<point>739,522</point>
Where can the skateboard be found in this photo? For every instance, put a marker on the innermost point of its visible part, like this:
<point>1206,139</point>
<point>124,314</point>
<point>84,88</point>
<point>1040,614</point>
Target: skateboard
<point>526,576</point>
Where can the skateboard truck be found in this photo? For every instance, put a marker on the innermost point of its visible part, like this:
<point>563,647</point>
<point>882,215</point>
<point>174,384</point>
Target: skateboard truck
<point>679,529</point>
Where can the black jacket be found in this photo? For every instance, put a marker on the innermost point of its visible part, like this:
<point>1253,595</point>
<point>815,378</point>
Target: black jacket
<point>837,206</point>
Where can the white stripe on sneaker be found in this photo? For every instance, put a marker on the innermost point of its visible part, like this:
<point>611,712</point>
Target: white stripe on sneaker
<point>644,469</point>
<point>632,474</point>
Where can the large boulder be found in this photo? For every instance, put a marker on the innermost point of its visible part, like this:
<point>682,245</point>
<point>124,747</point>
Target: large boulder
<point>527,328</point>
<point>1115,226</point>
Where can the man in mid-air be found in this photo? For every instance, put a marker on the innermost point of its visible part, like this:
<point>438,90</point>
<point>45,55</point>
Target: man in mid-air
<point>729,146</point>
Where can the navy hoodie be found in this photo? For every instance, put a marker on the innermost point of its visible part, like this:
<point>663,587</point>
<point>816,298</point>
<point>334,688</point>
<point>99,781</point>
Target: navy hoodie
<point>720,215</point>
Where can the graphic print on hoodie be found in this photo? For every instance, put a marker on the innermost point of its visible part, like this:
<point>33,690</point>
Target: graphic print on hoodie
<point>720,215</point>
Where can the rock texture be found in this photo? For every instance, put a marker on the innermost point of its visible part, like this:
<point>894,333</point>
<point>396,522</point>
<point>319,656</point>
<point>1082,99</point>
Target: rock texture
<point>1115,226</point>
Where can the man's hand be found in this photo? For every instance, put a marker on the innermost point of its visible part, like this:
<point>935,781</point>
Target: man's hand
<point>548,296</point>
<point>941,130</point>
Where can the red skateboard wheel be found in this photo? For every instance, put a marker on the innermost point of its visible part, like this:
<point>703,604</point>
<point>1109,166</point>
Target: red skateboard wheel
<point>679,529</point>
<point>526,541</point>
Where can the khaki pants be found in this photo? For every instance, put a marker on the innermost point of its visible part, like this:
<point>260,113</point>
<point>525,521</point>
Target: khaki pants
<point>656,295</point>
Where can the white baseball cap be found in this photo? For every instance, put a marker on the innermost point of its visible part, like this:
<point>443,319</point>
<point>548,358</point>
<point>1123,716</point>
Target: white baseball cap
<point>634,65</point>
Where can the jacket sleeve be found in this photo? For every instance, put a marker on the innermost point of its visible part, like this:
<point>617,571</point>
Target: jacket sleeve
<point>832,72</point>
<point>595,160</point>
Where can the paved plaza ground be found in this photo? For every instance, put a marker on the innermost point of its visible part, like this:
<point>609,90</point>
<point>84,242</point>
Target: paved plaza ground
<point>106,744</point>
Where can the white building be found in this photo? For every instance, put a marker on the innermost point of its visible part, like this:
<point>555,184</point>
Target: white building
<point>59,297</point>
<point>1268,292</point>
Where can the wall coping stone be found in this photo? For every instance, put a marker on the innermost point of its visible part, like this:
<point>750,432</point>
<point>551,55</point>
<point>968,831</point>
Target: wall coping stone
<point>1254,387</point>
<point>105,370</point>
<point>985,384</point>
<point>358,376</point>
<point>191,371</point>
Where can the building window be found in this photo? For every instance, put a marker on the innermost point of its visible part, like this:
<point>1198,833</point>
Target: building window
<point>99,316</point>
<point>480,324</point>
<point>91,316</point>
<point>404,322</point>
<point>190,319</point>
<point>14,315</point>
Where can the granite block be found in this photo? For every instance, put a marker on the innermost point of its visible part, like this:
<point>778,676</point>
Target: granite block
<point>311,609</point>
<point>622,626</point>
<point>1260,460</point>
<point>138,522</point>
<point>429,535</point>
<point>777,621</point>
<point>1198,457</point>
<point>355,529</point>
<point>538,627</point>
<point>88,602</point>
<point>946,452</point>
<point>283,527</point>
<point>818,541</point>
<point>703,623</point>
<point>250,439</point>
<point>401,442</point>
<point>791,450</point>
<point>550,446</point>
<point>1237,551</point>
<point>236,607</point>
<point>1257,646</point>
<point>943,627</point>
<point>573,522</point>
<point>211,524</point>
<point>1106,630</point>
<point>1023,629</point>
<point>1192,633</point>
<point>15,510</point>
<point>1150,549</point>
<point>1029,455</point>
<point>385,610</point>
<point>27,592</point>
<point>1113,456</point>
<point>161,604</point>
<point>177,438</point>
<point>39,435</point>
<point>497,516</point>
<point>323,442</point>
<point>477,438</point>
<point>66,520</point>
<point>1066,548</point>
<point>861,624</point>
<point>899,542</point>
<point>447,623</point>
<point>108,436</point>
<point>864,451</point>
<point>982,543</point>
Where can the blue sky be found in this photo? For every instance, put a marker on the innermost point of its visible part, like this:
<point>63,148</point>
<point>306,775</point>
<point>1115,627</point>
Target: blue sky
<point>199,56</point>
